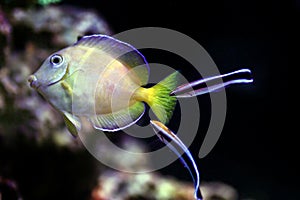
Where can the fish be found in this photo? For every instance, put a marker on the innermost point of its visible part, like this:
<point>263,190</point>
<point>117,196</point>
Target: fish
<point>165,134</point>
<point>102,78</point>
<point>218,82</point>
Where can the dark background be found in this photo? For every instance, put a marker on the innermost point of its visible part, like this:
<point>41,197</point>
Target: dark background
<point>255,151</point>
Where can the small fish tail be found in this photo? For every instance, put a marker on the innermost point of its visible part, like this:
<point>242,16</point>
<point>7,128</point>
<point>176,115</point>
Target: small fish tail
<point>160,100</point>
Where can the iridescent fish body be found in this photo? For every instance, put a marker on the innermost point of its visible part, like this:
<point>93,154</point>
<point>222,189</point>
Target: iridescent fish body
<point>101,78</point>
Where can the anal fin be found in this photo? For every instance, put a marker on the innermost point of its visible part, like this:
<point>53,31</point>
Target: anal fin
<point>120,119</point>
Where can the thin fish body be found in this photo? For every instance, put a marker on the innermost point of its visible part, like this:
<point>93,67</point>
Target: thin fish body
<point>163,132</point>
<point>183,90</point>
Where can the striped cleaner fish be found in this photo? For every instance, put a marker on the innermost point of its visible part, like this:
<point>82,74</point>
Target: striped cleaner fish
<point>166,135</point>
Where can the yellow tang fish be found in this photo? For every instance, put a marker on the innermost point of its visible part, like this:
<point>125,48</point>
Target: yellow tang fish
<point>101,78</point>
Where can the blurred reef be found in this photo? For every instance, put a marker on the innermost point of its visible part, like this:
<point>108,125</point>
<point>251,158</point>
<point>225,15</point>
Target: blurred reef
<point>27,37</point>
<point>153,186</point>
<point>39,159</point>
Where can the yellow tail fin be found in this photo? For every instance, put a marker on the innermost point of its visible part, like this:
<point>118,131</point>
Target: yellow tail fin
<point>160,101</point>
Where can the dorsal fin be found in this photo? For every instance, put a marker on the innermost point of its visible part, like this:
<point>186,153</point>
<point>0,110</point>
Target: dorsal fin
<point>124,52</point>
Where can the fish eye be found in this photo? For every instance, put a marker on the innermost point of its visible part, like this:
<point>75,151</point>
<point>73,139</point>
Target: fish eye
<point>56,59</point>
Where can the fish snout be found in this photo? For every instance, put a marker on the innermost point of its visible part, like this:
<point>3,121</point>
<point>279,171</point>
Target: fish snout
<point>33,81</point>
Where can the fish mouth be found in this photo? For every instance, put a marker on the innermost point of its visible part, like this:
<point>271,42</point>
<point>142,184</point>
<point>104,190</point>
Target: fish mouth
<point>33,82</point>
<point>36,84</point>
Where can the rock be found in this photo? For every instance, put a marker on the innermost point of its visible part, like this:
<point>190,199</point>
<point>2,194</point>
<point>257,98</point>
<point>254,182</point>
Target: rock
<point>35,33</point>
<point>154,186</point>
<point>65,23</point>
<point>5,32</point>
<point>218,191</point>
<point>148,186</point>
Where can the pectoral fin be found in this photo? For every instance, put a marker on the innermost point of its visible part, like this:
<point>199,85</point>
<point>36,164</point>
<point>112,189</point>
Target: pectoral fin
<point>73,123</point>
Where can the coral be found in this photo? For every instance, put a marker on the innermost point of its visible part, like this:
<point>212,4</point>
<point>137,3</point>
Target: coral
<point>29,3</point>
<point>66,23</point>
<point>154,186</point>
<point>5,33</point>
<point>218,190</point>
<point>47,2</point>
